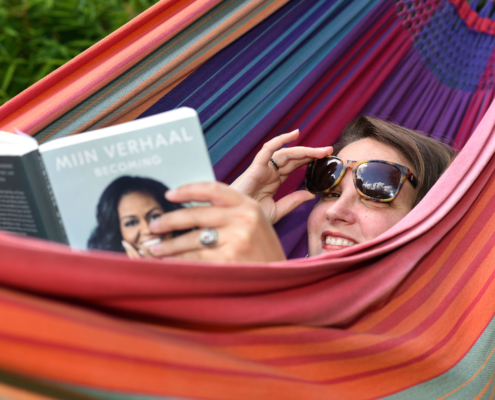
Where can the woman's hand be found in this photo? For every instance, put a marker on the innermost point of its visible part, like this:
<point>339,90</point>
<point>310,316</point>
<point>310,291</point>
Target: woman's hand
<point>135,253</point>
<point>244,233</point>
<point>262,180</point>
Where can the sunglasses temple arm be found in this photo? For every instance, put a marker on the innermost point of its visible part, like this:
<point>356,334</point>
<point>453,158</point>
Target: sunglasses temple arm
<point>411,178</point>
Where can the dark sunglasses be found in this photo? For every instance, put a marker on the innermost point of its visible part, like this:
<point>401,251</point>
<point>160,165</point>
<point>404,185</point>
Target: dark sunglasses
<point>375,180</point>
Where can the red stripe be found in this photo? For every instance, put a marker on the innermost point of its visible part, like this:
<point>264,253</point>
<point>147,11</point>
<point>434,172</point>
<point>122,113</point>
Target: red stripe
<point>472,18</point>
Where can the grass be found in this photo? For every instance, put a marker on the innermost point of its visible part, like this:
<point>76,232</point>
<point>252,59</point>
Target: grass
<point>38,36</point>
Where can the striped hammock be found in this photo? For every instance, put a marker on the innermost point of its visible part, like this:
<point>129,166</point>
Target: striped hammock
<point>407,315</point>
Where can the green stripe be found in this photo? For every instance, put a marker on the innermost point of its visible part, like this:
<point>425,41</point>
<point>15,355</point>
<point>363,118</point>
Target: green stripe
<point>460,374</point>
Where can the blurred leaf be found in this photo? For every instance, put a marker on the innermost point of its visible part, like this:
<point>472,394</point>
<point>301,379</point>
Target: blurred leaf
<point>8,76</point>
<point>37,36</point>
<point>9,31</point>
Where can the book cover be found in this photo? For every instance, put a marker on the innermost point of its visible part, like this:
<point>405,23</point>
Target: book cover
<point>91,173</point>
<point>26,201</point>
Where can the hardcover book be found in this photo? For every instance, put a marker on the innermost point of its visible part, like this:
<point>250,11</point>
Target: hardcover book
<point>96,189</point>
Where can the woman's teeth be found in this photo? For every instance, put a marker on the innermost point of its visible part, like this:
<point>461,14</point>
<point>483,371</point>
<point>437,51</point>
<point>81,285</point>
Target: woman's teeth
<point>151,242</point>
<point>338,241</point>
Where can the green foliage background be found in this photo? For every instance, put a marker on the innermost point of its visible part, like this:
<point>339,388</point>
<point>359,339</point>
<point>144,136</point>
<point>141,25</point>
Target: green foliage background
<point>37,36</point>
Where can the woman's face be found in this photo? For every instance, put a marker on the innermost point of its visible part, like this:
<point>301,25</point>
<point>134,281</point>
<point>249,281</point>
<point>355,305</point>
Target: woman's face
<point>344,218</point>
<point>136,210</point>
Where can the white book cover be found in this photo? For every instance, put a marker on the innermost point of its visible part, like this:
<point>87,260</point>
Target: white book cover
<point>91,172</point>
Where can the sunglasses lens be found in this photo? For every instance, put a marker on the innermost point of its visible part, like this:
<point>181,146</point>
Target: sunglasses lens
<point>378,180</point>
<point>322,174</point>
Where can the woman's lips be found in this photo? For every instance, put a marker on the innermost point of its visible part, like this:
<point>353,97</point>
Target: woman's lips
<point>336,241</point>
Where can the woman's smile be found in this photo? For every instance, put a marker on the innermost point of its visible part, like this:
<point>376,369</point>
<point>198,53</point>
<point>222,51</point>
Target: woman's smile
<point>336,241</point>
<point>136,210</point>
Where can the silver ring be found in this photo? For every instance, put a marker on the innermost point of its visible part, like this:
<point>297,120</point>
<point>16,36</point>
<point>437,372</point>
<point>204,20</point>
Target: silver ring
<point>208,238</point>
<point>274,164</point>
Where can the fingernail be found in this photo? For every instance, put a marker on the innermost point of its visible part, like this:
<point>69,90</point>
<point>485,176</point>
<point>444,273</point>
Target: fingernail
<point>169,194</point>
<point>155,249</point>
<point>126,245</point>
<point>154,225</point>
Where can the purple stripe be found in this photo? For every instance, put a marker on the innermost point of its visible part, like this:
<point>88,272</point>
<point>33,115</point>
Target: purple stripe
<point>253,138</point>
<point>246,48</point>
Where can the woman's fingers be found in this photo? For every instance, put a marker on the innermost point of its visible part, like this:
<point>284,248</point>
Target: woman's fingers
<point>217,193</point>
<point>244,233</point>
<point>189,218</point>
<point>271,146</point>
<point>130,250</point>
<point>292,158</point>
<point>185,243</point>
<point>134,252</point>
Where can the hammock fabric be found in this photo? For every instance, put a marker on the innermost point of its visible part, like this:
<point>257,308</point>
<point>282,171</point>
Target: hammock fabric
<point>407,315</point>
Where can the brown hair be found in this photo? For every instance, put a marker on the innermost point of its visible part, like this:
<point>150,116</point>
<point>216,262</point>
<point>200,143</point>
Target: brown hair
<point>428,157</point>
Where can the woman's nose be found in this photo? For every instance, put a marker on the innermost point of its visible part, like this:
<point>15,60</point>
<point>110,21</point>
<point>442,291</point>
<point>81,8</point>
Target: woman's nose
<point>144,227</point>
<point>342,209</point>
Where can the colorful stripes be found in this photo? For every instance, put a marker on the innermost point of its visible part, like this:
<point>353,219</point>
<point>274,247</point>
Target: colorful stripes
<point>407,315</point>
<point>115,327</point>
<point>432,324</point>
<point>163,69</point>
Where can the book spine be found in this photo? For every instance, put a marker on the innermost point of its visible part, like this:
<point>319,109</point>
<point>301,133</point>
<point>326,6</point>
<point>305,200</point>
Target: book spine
<point>45,198</point>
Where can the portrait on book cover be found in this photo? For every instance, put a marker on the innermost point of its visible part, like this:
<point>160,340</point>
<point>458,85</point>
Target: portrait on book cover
<point>88,174</point>
<point>124,212</point>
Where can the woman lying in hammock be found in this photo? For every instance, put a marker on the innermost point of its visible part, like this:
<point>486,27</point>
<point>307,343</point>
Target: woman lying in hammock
<point>359,199</point>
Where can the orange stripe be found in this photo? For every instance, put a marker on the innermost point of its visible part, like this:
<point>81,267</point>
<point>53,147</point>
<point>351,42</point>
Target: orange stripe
<point>115,339</point>
<point>436,364</point>
<point>422,343</point>
<point>421,313</point>
<point>134,110</point>
<point>397,302</point>
<point>128,375</point>
<point>108,374</point>
<point>410,321</point>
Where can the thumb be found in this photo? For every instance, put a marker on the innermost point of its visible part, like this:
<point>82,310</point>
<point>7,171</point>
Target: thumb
<point>290,202</point>
<point>130,250</point>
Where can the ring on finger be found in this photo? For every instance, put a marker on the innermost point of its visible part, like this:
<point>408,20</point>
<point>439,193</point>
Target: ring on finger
<point>208,237</point>
<point>274,163</point>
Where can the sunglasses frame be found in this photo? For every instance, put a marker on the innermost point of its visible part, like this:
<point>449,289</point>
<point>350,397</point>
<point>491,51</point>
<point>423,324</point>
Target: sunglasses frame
<point>406,174</point>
